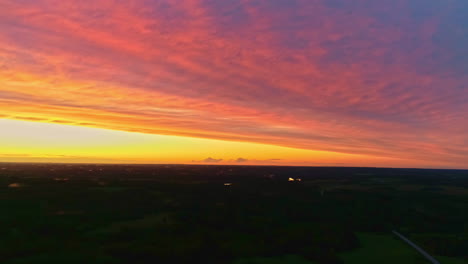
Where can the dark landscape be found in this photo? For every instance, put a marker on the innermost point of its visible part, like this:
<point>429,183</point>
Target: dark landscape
<point>234,132</point>
<point>80,213</point>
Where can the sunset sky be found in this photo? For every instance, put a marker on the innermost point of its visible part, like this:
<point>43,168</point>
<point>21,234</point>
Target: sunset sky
<point>282,82</point>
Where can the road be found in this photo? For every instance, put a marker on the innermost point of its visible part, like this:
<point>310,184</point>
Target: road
<point>420,250</point>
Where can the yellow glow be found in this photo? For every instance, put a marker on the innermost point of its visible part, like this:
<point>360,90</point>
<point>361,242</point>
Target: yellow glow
<point>26,141</point>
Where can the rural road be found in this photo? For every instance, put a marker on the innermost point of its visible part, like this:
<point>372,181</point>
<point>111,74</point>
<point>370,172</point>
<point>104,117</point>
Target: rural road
<point>420,250</point>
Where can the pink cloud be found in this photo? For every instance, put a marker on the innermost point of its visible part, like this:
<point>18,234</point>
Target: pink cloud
<point>367,78</point>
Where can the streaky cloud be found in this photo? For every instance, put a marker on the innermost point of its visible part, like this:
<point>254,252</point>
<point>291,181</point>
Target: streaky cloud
<point>384,78</point>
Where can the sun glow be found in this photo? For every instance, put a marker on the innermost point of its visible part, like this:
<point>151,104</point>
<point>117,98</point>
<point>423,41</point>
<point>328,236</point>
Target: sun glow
<point>26,141</point>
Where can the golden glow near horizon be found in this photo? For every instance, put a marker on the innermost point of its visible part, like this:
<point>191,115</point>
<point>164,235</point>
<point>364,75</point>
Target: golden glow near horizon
<point>25,141</point>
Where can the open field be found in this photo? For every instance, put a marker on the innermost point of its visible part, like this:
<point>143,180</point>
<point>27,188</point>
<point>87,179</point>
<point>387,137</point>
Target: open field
<point>379,248</point>
<point>387,248</point>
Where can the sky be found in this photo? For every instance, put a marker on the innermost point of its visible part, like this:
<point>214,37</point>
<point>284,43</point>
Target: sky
<point>281,82</point>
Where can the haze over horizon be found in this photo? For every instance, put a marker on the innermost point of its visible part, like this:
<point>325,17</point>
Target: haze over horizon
<point>279,82</point>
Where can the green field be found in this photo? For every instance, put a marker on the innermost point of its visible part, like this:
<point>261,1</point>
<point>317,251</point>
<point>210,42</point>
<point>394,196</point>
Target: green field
<point>388,249</point>
<point>382,249</point>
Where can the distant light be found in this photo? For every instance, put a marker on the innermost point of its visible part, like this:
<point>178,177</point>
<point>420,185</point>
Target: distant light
<point>227,184</point>
<point>15,185</point>
<point>61,179</point>
<point>292,179</point>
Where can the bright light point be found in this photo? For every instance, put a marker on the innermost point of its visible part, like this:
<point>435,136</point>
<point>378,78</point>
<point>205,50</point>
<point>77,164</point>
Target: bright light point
<point>15,185</point>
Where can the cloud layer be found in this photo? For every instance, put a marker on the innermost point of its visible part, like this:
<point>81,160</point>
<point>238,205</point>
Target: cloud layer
<point>385,78</point>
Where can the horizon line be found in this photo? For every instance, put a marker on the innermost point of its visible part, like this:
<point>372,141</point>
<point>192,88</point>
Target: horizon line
<point>211,164</point>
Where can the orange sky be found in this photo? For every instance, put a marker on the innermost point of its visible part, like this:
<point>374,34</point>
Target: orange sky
<point>24,141</point>
<point>245,81</point>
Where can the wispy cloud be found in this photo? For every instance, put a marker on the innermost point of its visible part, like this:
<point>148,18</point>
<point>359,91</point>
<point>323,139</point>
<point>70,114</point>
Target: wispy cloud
<point>210,160</point>
<point>386,78</point>
<point>241,160</point>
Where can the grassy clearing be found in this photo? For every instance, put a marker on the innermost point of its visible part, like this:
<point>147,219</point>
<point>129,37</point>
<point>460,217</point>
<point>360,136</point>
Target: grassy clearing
<point>382,249</point>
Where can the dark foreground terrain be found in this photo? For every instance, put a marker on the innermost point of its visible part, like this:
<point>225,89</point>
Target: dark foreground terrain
<point>229,214</point>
